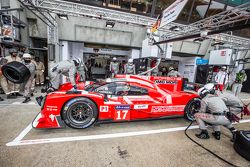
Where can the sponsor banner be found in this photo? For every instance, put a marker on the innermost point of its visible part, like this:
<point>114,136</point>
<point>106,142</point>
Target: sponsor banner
<point>122,107</point>
<point>141,106</point>
<point>104,109</point>
<point>165,82</point>
<point>167,108</point>
<point>172,12</point>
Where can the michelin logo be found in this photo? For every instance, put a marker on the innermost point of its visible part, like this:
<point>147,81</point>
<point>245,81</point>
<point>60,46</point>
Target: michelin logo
<point>141,106</point>
<point>122,107</point>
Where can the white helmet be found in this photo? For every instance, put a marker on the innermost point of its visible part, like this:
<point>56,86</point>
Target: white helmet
<point>171,68</point>
<point>130,60</point>
<point>26,56</point>
<point>202,92</point>
<point>114,58</point>
<point>77,60</point>
<point>210,87</point>
<point>223,67</point>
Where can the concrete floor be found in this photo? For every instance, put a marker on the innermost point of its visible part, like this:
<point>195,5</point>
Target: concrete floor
<point>159,149</point>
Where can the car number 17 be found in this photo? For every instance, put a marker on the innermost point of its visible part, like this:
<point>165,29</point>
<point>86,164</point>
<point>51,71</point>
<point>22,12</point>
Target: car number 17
<point>122,115</point>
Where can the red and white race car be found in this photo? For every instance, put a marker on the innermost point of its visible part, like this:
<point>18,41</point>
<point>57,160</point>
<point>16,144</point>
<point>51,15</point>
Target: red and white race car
<point>124,98</point>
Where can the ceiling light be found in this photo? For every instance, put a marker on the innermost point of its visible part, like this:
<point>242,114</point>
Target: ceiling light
<point>63,16</point>
<point>175,28</point>
<point>110,24</point>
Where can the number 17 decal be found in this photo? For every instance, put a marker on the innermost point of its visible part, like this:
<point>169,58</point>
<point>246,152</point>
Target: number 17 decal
<point>122,115</point>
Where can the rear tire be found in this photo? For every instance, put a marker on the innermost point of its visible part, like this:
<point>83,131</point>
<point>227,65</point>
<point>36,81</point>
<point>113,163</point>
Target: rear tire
<point>16,72</point>
<point>80,113</point>
<point>191,108</point>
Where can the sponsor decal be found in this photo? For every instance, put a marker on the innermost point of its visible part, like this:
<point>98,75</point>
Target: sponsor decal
<point>51,108</point>
<point>165,82</point>
<point>122,107</point>
<point>104,109</point>
<point>167,108</point>
<point>141,106</point>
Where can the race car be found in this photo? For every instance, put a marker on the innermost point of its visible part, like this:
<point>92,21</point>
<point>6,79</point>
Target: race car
<point>123,98</point>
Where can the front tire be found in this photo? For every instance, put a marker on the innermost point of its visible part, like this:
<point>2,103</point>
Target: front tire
<point>80,113</point>
<point>192,107</point>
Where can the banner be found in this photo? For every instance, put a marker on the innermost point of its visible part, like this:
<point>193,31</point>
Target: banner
<point>172,12</point>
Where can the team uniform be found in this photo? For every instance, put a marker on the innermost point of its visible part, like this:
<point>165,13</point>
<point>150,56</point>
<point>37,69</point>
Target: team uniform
<point>66,68</point>
<point>114,68</point>
<point>8,86</point>
<point>214,112</point>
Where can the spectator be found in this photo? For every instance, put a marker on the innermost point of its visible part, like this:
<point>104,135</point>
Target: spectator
<point>240,78</point>
<point>221,78</point>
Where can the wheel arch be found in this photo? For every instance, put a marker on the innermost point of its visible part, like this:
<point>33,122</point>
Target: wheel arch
<point>76,98</point>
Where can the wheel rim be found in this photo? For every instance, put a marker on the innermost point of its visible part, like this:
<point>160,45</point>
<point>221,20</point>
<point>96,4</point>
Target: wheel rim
<point>193,108</point>
<point>80,113</point>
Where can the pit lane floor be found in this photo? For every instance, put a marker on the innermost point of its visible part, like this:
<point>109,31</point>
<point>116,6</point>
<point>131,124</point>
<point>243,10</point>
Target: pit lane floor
<point>148,143</point>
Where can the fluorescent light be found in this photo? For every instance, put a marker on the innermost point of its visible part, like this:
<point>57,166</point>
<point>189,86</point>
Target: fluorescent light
<point>63,16</point>
<point>110,24</point>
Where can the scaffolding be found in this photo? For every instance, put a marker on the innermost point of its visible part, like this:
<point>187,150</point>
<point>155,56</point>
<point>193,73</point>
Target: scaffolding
<point>238,15</point>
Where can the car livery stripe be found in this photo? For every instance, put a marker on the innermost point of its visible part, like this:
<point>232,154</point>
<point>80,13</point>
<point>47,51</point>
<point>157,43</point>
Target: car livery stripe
<point>127,100</point>
<point>112,102</point>
<point>35,122</point>
<point>141,98</point>
<point>168,96</point>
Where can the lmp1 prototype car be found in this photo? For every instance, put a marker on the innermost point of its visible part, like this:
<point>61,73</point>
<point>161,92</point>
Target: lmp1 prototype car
<point>123,98</point>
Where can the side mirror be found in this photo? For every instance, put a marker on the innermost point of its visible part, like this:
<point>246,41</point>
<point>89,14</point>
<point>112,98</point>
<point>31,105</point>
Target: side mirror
<point>106,97</point>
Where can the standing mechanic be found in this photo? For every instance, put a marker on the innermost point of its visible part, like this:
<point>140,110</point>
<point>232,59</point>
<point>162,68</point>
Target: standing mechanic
<point>67,68</point>
<point>82,70</point>
<point>114,67</point>
<point>221,78</point>
<point>39,71</point>
<point>213,111</point>
<point>240,78</point>
<point>130,67</point>
<point>11,89</point>
<point>2,62</point>
<point>28,84</point>
<point>173,73</point>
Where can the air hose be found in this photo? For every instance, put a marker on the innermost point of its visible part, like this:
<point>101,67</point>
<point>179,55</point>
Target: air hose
<point>211,152</point>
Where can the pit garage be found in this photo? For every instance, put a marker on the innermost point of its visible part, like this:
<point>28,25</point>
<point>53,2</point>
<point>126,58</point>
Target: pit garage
<point>102,114</point>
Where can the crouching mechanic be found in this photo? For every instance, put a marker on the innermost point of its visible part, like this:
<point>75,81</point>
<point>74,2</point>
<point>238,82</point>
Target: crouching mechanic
<point>67,68</point>
<point>28,84</point>
<point>214,112</point>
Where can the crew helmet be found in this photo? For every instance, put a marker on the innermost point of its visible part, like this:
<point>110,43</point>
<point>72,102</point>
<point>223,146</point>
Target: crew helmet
<point>223,67</point>
<point>210,87</point>
<point>202,92</point>
<point>114,58</point>
<point>77,60</point>
<point>171,68</point>
<point>12,50</point>
<point>130,60</point>
<point>26,56</point>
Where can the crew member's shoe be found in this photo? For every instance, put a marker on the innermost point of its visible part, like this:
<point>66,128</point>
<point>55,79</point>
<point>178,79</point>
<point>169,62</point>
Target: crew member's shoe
<point>26,100</point>
<point>203,135</point>
<point>216,135</point>
<point>1,99</point>
<point>11,96</point>
<point>32,94</point>
<point>18,94</point>
<point>233,131</point>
